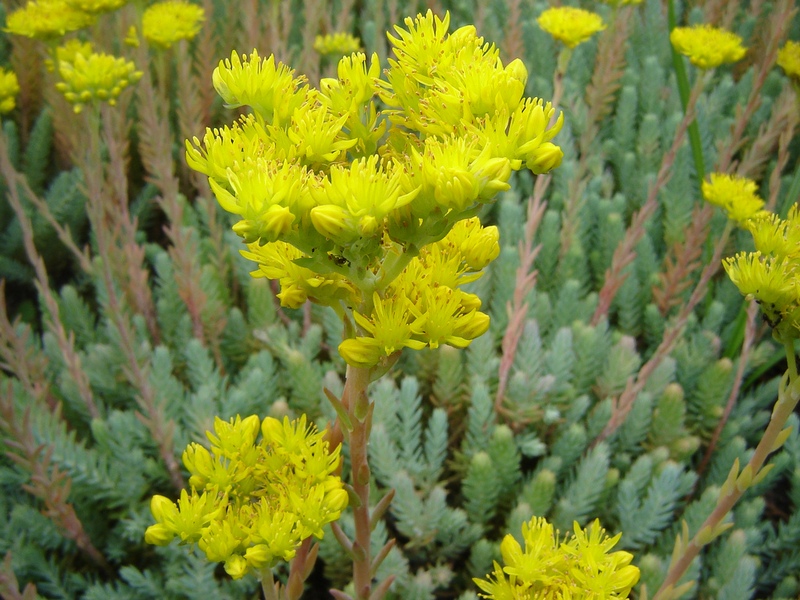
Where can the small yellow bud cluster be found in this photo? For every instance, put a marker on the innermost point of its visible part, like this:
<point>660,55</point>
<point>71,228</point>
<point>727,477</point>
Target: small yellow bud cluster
<point>789,60</point>
<point>579,567</point>
<point>339,43</point>
<point>570,26</point>
<point>96,77</point>
<point>165,23</point>
<point>253,502</point>
<point>424,305</point>
<point>336,199</point>
<point>736,195</point>
<point>9,88</point>
<point>47,19</point>
<point>707,47</point>
<point>67,52</point>
<point>771,274</point>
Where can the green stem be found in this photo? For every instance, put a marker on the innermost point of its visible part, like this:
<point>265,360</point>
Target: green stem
<point>788,396</point>
<point>788,345</point>
<point>683,90</point>
<point>355,400</point>
<point>268,585</point>
<point>393,266</point>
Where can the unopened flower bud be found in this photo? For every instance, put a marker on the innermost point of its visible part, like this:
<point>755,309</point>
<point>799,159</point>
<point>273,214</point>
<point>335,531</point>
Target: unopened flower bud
<point>545,158</point>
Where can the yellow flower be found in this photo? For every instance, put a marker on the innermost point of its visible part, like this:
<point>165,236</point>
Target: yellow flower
<point>736,195</point>
<point>339,43</point>
<point>95,78</point>
<point>354,201</point>
<point>279,261</point>
<point>269,88</point>
<point>789,60</point>
<point>550,568</point>
<point>707,47</point>
<point>255,501</point>
<point>570,26</point>
<point>165,23</point>
<point>67,52</point>
<point>318,135</point>
<point>9,88</point>
<point>95,7</point>
<point>47,19</point>
<point>227,148</point>
<point>271,197</point>
<point>455,175</point>
<point>773,282</point>
<point>391,327</point>
<point>773,236</point>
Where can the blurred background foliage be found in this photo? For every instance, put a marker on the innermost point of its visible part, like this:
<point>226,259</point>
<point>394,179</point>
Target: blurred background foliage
<point>621,386</point>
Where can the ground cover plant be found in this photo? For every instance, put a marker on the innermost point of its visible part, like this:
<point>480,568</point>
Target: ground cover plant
<point>501,304</point>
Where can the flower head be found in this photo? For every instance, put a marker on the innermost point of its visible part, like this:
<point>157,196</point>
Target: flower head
<point>253,501</point>
<point>47,19</point>
<point>579,567</point>
<point>165,23</point>
<point>270,88</point>
<point>349,203</point>
<point>67,52</point>
<point>95,78</point>
<point>340,43</point>
<point>789,60</point>
<point>571,26</point>
<point>9,88</point>
<point>707,47</point>
<point>736,195</point>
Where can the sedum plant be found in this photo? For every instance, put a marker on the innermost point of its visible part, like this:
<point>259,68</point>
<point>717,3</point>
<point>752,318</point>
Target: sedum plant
<point>621,376</point>
<point>372,213</point>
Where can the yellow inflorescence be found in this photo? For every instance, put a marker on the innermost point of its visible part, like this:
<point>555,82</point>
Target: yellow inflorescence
<point>736,195</point>
<point>789,60</point>
<point>47,19</point>
<point>339,43</point>
<point>253,502</point>
<point>771,274</point>
<point>9,88</point>
<point>340,201</point>
<point>577,567</point>
<point>707,47</point>
<point>97,77</point>
<point>570,26</point>
<point>165,23</point>
<point>67,52</point>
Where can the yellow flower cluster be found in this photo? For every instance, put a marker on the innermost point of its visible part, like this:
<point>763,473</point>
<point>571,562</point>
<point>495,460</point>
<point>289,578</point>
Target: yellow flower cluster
<point>253,502</point>
<point>789,60</point>
<point>339,43</point>
<point>165,23</point>
<point>570,26</point>
<point>96,77</point>
<point>736,195</point>
<point>9,88</point>
<point>47,19</point>
<point>337,198</point>
<point>67,52</point>
<point>707,47</point>
<point>579,567</point>
<point>424,305</point>
<point>771,274</point>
